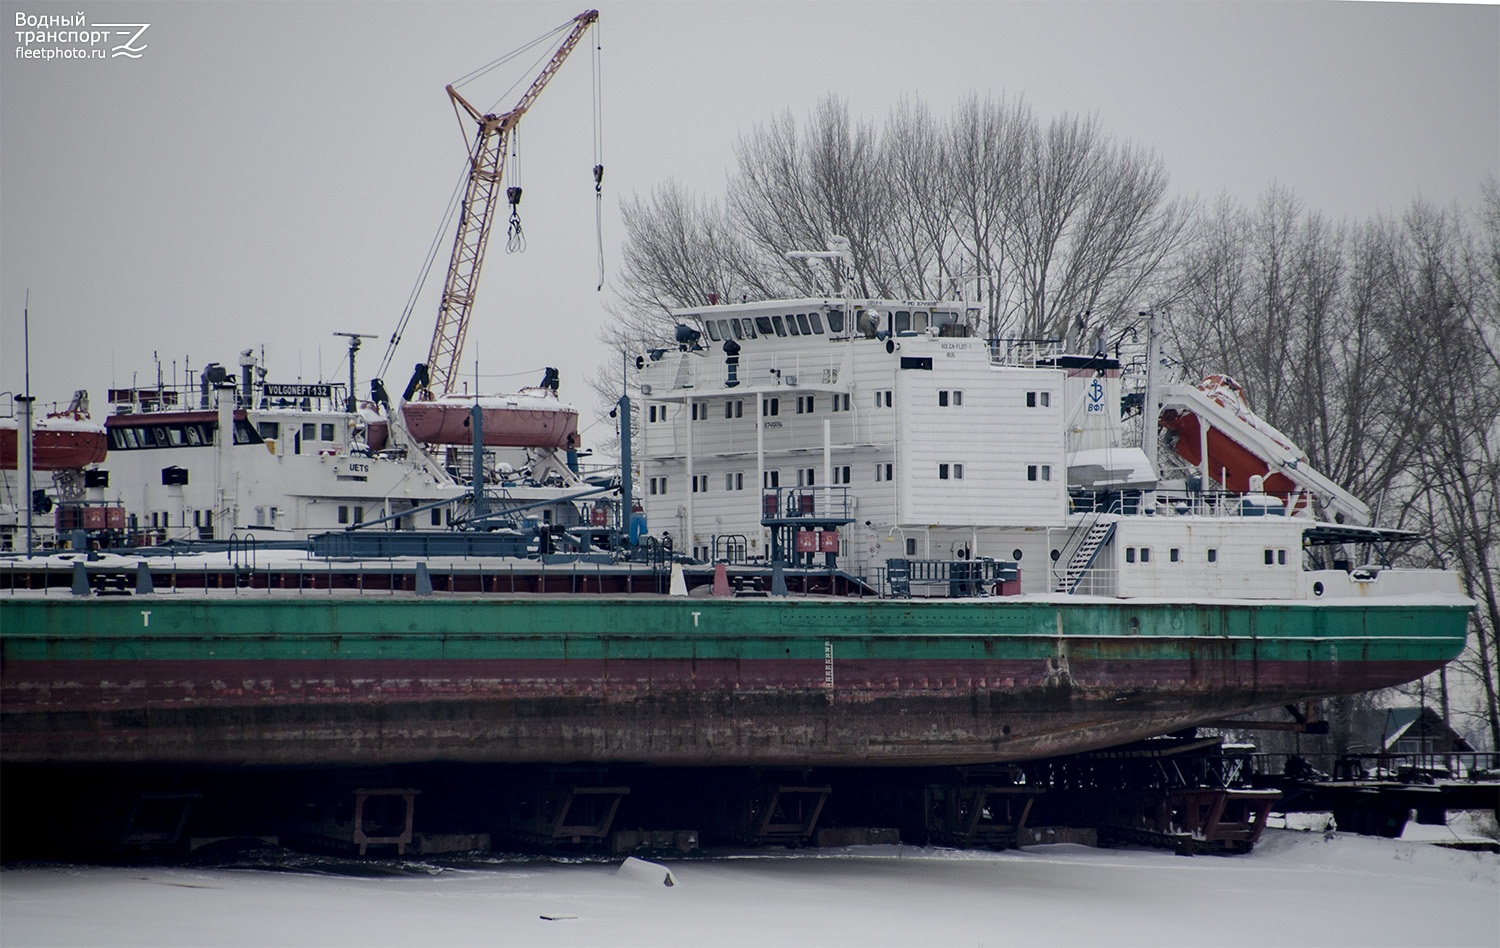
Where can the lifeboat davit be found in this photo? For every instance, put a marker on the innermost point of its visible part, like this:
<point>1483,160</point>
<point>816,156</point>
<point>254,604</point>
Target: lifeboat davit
<point>59,442</point>
<point>531,418</point>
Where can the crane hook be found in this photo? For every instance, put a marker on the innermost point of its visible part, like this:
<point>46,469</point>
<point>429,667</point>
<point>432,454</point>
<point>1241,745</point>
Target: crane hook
<point>515,240</point>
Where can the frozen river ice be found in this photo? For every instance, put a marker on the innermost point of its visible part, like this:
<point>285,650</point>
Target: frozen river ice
<point>1295,889</point>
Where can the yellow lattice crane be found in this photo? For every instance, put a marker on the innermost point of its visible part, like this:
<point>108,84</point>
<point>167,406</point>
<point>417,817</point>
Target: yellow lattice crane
<point>476,214</point>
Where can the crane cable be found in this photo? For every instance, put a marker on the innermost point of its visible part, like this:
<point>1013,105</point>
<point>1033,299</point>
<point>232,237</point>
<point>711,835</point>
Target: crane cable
<point>426,270</point>
<point>598,91</point>
<point>496,63</point>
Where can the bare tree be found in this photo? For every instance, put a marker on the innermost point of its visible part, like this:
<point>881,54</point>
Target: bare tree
<point>1049,223</point>
<point>1445,290</point>
<point>984,152</point>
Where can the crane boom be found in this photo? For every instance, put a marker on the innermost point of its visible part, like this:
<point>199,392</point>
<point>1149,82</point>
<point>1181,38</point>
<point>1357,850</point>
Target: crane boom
<point>486,165</point>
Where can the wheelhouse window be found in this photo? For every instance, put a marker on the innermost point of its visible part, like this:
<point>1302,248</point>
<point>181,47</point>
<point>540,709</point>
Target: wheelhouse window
<point>189,434</point>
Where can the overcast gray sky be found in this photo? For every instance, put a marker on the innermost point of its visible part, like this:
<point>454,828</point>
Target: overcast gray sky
<point>268,174</point>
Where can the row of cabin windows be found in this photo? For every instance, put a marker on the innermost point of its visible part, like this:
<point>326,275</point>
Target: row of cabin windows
<point>884,471</point>
<point>1143,555</point>
<point>904,321</point>
<point>735,480</point>
<point>356,514</point>
<point>162,519</point>
<point>808,404</point>
<point>792,324</point>
<point>842,474</point>
<point>311,431</point>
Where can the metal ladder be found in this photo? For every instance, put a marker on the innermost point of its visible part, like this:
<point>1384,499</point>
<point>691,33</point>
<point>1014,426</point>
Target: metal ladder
<point>898,574</point>
<point>1083,557</point>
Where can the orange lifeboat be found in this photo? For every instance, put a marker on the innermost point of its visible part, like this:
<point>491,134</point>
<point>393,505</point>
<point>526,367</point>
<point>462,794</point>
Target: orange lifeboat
<point>531,418</point>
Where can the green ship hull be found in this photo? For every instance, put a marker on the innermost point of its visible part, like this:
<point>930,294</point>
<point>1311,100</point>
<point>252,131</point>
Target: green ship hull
<point>656,680</point>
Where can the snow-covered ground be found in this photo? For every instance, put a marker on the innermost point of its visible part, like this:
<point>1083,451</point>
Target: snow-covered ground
<point>1297,888</point>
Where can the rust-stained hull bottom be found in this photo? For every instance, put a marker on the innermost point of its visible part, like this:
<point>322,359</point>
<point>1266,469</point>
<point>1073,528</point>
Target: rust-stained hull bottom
<point>687,713</point>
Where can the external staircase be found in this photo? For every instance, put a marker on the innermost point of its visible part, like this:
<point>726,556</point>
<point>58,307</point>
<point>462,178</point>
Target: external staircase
<point>1082,560</point>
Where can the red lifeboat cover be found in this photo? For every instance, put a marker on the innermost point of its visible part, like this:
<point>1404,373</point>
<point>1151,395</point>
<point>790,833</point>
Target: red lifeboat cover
<point>1226,456</point>
<point>65,441</point>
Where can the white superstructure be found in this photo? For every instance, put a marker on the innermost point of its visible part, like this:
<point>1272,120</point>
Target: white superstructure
<point>893,424</point>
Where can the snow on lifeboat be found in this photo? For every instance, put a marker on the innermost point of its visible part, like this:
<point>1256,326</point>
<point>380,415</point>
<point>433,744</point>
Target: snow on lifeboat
<point>60,441</point>
<point>534,417</point>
